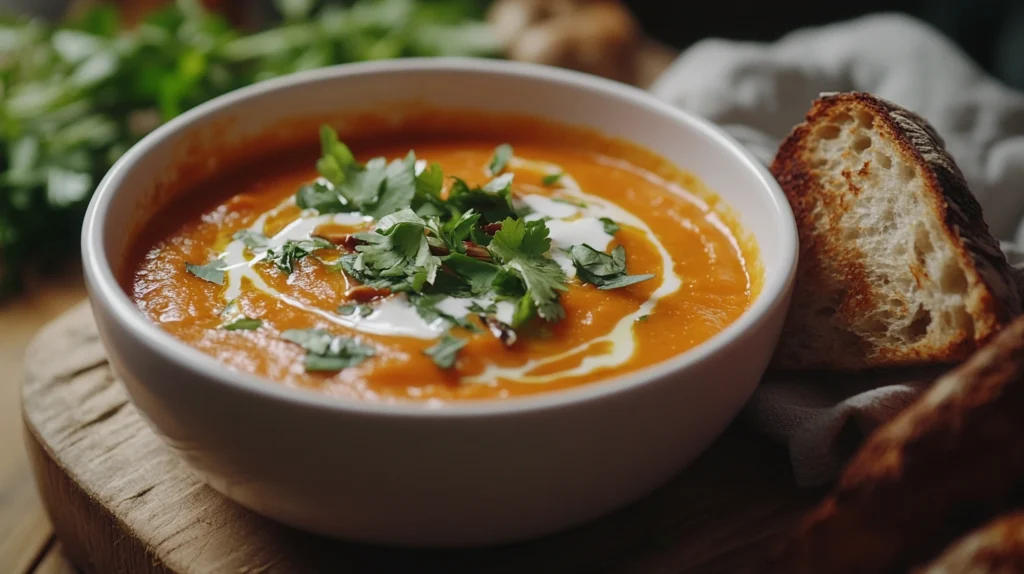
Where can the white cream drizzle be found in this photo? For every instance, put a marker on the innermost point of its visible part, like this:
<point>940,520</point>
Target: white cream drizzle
<point>568,224</point>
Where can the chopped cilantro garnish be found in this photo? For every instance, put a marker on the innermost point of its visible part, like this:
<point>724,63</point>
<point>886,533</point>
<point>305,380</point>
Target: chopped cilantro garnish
<point>603,270</point>
<point>502,154</point>
<point>321,198</point>
<point>610,227</point>
<point>551,179</point>
<point>493,201</point>
<point>445,351</point>
<point>643,318</point>
<point>254,240</point>
<point>236,320</point>
<point>451,234</point>
<point>397,252</point>
<point>357,309</point>
<point>243,324</point>
<point>327,352</point>
<point>427,200</point>
<point>426,308</point>
<point>212,271</point>
<point>522,246</point>
<point>479,309</point>
<point>286,256</point>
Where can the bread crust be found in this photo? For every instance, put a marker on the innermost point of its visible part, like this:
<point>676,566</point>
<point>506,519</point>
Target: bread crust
<point>995,298</point>
<point>954,454</point>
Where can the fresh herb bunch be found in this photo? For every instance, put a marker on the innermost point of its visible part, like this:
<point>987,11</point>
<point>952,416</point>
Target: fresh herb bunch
<point>73,98</point>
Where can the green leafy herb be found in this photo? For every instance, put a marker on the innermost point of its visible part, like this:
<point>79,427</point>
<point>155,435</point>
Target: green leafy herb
<point>603,270</point>
<point>522,246</point>
<point>243,324</point>
<point>327,352</point>
<point>610,227</point>
<point>357,309</point>
<point>254,240</point>
<point>551,179</point>
<point>452,233</point>
<point>286,256</point>
<point>479,309</point>
<point>502,155</point>
<point>427,200</point>
<point>397,252</point>
<point>321,198</point>
<point>426,308</point>
<point>212,271</point>
<point>236,320</point>
<point>493,201</point>
<point>445,351</point>
<point>643,318</point>
<point>77,95</point>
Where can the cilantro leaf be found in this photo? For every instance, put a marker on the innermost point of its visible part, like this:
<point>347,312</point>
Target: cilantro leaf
<point>453,232</point>
<point>502,154</point>
<point>358,309</point>
<point>426,308</point>
<point>480,275</point>
<point>522,246</point>
<point>603,270</point>
<point>610,227</point>
<point>322,198</point>
<point>336,161</point>
<point>551,179</point>
<point>243,324</point>
<point>327,352</point>
<point>399,188</point>
<point>397,251</point>
<point>445,351</point>
<point>286,256</point>
<point>362,184</point>
<point>493,201</point>
<point>236,320</point>
<point>212,271</point>
<point>427,201</point>
<point>254,240</point>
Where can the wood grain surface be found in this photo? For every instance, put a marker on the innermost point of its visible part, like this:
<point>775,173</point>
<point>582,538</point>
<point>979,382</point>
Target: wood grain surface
<point>25,531</point>
<point>121,502</point>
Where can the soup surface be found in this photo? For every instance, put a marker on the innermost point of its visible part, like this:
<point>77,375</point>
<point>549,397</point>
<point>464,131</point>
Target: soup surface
<point>480,265</point>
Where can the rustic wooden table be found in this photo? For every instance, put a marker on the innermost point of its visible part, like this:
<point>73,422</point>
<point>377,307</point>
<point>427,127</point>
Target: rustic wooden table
<point>26,538</point>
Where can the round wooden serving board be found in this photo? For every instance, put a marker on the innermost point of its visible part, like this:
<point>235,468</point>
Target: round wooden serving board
<point>122,502</point>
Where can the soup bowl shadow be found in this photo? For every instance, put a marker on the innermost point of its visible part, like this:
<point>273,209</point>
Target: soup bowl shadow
<point>423,475</point>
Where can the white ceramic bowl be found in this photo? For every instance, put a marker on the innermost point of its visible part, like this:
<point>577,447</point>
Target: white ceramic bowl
<point>462,474</point>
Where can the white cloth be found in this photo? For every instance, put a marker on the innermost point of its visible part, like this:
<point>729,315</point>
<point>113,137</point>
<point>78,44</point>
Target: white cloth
<point>758,92</point>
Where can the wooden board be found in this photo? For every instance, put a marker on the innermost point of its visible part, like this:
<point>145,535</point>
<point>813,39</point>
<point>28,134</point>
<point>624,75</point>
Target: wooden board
<point>121,502</point>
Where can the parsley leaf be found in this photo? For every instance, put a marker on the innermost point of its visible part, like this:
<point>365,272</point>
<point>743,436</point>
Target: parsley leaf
<point>522,247</point>
<point>502,154</point>
<point>254,240</point>
<point>610,227</point>
<point>212,271</point>
<point>445,351</point>
<point>355,309</point>
<point>551,179</point>
<point>327,352</point>
<point>603,270</point>
<point>286,256</point>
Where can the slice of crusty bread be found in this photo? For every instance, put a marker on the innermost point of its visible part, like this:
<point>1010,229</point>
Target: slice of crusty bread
<point>951,456</point>
<point>897,266</point>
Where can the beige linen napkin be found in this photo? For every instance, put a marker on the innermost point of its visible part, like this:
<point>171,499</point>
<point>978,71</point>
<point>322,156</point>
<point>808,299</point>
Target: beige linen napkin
<point>758,92</point>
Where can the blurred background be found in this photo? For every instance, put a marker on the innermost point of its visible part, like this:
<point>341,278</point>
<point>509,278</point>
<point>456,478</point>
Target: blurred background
<point>81,81</point>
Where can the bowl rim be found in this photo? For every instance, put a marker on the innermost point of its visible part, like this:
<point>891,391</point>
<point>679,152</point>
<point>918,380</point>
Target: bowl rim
<point>105,290</point>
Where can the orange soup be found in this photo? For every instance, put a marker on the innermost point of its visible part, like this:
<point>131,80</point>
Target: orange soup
<point>502,260</point>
